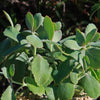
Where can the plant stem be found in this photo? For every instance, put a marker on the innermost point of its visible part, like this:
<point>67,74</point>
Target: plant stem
<point>34,51</point>
<point>16,82</point>
<point>18,90</point>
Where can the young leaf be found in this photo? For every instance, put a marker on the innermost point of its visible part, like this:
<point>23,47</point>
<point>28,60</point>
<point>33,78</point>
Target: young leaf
<point>8,94</point>
<point>35,41</point>
<point>12,33</point>
<point>5,72</point>
<point>38,20</point>
<point>65,91</point>
<point>90,36</point>
<point>89,28</point>
<point>91,86</point>
<point>57,36</point>
<point>58,24</point>
<point>12,70</point>
<point>41,70</point>
<point>33,86</point>
<point>29,21</point>
<point>18,27</point>
<point>49,27</point>
<point>9,18</point>
<point>94,57</point>
<point>72,44</point>
<point>80,37</point>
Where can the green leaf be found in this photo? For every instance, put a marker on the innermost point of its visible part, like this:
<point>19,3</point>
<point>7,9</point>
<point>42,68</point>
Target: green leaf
<point>33,87</point>
<point>72,44</point>
<point>89,28</point>
<point>23,57</point>
<point>74,77</point>
<point>18,27</point>
<point>42,33</point>
<point>20,68</point>
<point>5,72</point>
<point>9,18</point>
<point>98,74</point>
<point>12,49</point>
<point>95,44</point>
<point>38,20</point>
<point>80,37</point>
<point>96,38</point>
<point>49,27</point>
<point>35,41</point>
<point>57,36</point>
<point>91,86</point>
<point>29,21</point>
<point>50,93</point>
<point>58,24</point>
<point>5,44</point>
<point>63,70</point>
<point>12,70</point>
<point>77,56</point>
<point>94,57</point>
<point>41,70</point>
<point>65,91</point>
<point>12,33</point>
<point>55,26</point>
<point>90,36</point>
<point>8,94</point>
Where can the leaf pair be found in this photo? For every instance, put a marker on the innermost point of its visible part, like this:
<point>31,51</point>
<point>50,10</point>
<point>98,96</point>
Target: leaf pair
<point>33,23</point>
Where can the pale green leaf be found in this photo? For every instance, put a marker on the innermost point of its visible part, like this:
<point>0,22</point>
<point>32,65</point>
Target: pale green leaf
<point>35,41</point>
<point>18,27</point>
<point>9,18</point>
<point>12,33</point>
<point>89,28</point>
<point>5,72</point>
<point>72,44</point>
<point>8,94</point>
<point>58,24</point>
<point>57,36</point>
<point>50,93</point>
<point>41,71</point>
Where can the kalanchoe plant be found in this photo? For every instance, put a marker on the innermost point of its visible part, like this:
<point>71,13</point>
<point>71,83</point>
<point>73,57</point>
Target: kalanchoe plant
<point>38,59</point>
